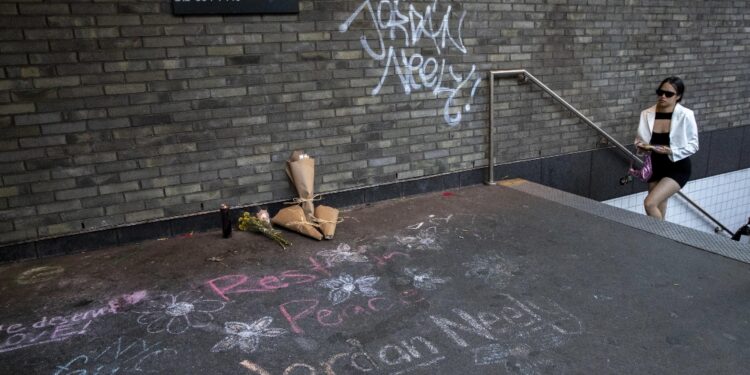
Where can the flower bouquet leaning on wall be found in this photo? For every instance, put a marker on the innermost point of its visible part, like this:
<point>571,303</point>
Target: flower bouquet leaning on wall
<point>303,217</point>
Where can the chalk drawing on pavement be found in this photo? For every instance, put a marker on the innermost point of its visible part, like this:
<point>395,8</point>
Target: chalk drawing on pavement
<point>424,279</point>
<point>416,226</point>
<point>343,286</point>
<point>38,275</point>
<point>415,354</point>
<point>507,334</point>
<point>492,269</point>
<point>307,344</point>
<point>425,239</point>
<point>61,327</point>
<point>344,253</point>
<point>118,357</point>
<point>247,336</point>
<point>437,220</point>
<point>310,310</point>
<point>407,352</point>
<point>516,359</point>
<point>176,313</point>
<point>518,331</point>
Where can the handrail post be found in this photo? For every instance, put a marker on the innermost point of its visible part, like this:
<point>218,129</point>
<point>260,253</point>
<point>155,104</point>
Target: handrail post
<point>491,151</point>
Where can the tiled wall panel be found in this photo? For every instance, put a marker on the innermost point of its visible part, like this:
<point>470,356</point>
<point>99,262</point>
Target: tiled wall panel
<point>726,197</point>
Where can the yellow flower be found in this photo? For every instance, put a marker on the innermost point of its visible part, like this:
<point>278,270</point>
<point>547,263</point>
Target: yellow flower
<point>247,222</point>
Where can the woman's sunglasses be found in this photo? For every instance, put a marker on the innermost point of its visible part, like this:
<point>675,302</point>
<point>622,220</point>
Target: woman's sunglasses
<point>668,94</point>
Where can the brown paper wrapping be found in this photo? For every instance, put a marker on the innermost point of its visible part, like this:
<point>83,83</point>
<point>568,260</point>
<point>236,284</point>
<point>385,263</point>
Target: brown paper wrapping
<point>327,218</point>
<point>302,174</point>
<point>293,218</point>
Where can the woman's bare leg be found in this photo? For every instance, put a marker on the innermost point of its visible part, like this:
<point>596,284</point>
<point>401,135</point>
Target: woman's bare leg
<point>663,208</point>
<point>651,186</point>
<point>658,194</point>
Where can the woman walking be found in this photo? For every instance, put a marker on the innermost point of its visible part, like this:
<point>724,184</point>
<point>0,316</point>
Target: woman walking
<point>667,130</point>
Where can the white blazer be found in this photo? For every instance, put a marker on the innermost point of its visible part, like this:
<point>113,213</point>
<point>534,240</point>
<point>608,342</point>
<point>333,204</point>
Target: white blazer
<point>683,132</point>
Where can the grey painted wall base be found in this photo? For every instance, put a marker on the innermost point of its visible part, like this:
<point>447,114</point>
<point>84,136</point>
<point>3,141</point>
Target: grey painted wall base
<point>593,174</point>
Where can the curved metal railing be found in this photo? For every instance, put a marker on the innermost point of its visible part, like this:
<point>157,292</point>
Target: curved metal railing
<point>523,76</point>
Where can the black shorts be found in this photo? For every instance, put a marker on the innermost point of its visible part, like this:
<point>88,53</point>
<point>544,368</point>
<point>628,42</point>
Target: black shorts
<point>663,167</point>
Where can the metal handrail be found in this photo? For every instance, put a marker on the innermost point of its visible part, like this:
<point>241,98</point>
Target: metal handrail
<point>524,76</point>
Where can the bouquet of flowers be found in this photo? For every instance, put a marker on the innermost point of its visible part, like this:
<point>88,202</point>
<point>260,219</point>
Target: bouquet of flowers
<point>301,171</point>
<point>261,223</point>
<point>316,222</point>
<point>293,218</point>
<point>327,218</point>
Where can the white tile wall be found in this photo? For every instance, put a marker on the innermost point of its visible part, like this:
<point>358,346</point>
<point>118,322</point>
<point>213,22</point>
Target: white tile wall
<point>726,197</point>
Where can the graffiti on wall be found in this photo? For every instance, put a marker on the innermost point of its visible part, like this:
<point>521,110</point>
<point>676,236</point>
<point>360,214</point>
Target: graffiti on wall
<point>399,33</point>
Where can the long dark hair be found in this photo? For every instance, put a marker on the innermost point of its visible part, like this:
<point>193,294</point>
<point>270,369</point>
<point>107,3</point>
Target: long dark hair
<point>676,82</point>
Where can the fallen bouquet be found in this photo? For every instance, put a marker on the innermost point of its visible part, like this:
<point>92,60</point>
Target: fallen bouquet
<point>262,225</point>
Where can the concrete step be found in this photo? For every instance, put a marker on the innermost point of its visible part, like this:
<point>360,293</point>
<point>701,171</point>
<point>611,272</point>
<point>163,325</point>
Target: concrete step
<point>714,243</point>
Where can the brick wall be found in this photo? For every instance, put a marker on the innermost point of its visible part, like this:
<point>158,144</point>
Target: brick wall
<point>118,112</point>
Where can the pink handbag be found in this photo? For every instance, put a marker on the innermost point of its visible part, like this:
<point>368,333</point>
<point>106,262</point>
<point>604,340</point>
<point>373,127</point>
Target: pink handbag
<point>645,172</point>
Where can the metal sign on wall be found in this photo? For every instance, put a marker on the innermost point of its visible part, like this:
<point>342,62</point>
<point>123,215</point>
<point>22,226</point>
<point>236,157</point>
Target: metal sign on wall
<point>234,6</point>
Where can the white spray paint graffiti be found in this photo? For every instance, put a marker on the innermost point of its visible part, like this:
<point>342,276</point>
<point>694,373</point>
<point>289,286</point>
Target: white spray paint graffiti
<point>430,71</point>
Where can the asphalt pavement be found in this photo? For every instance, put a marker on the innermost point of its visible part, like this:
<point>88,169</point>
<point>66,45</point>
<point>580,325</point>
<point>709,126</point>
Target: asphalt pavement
<point>479,280</point>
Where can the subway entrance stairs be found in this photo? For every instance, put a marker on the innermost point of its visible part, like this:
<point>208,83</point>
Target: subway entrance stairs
<point>708,242</point>
<point>516,278</point>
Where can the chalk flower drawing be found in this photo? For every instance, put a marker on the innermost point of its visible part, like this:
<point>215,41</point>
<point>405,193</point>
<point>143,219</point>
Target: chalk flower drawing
<point>246,336</point>
<point>176,313</point>
<point>426,239</point>
<point>490,268</point>
<point>342,287</point>
<point>424,279</point>
<point>344,253</point>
